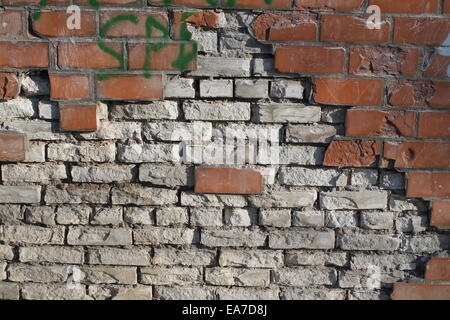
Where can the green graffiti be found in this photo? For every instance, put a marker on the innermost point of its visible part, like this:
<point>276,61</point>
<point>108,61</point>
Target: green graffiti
<point>102,45</point>
<point>183,59</point>
<point>94,4</point>
<point>150,24</point>
<point>37,14</point>
<point>184,56</point>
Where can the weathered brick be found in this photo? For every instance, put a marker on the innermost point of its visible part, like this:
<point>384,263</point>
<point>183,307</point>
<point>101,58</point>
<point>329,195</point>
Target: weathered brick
<point>54,24</point>
<point>30,234</point>
<point>99,236</point>
<point>13,146</point>
<point>130,87</point>
<point>228,180</point>
<point>172,216</point>
<point>9,84</point>
<point>185,257</point>
<point>171,275</point>
<point>312,177</point>
<point>421,291</point>
<point>421,31</point>
<point>238,277</point>
<point>82,152</point>
<point>206,217</point>
<point>352,28</point>
<point>438,269</point>
<point>366,123</point>
<point>302,239</point>
<point>52,254</point>
<point>33,172</point>
<point>160,235</point>
<point>232,238</point>
<point>383,61</point>
<point>285,27</point>
<point>70,86</point>
<point>134,194</point>
<point>117,256</point>
<point>314,59</point>
<point>428,184</point>
<point>296,113</point>
<point>434,125</point>
<point>24,54</point>
<point>17,194</point>
<point>305,277</point>
<point>441,214</point>
<point>368,242</point>
<point>411,6</point>
<point>357,153</point>
<point>74,194</point>
<point>346,91</point>
<point>102,174</point>
<point>87,55</point>
<point>78,117</point>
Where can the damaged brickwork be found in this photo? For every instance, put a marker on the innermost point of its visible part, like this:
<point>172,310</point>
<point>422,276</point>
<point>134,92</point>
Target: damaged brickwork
<point>102,198</point>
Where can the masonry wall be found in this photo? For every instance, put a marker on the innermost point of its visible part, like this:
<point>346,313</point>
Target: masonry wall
<point>103,196</point>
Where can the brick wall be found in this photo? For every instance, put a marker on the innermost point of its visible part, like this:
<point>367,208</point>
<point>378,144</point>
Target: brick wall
<point>100,200</point>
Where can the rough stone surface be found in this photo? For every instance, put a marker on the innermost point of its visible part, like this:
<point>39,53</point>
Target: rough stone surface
<point>353,200</point>
<point>312,177</point>
<point>368,242</point>
<point>302,239</point>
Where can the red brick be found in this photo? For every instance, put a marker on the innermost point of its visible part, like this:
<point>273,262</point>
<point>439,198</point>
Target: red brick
<point>428,184</point>
<point>87,55</point>
<point>366,123</point>
<point>438,269</point>
<point>329,4</point>
<point>434,125</point>
<point>447,7</point>
<point>441,98</point>
<point>406,93</point>
<point>11,23</point>
<point>23,54</point>
<point>185,3</point>
<point>436,64</point>
<point>129,29</point>
<point>358,153</point>
<point>130,87</point>
<point>421,31</point>
<point>421,291</point>
<point>12,146</point>
<point>78,117</point>
<point>54,24</point>
<point>9,86</point>
<point>384,61</point>
<point>288,26</point>
<point>418,154</point>
<point>200,19</point>
<point>345,91</point>
<point>275,4</point>
<point>352,28</point>
<point>112,2</point>
<point>228,180</point>
<point>69,86</point>
<point>18,2</point>
<point>440,215</point>
<point>161,59</point>
<point>314,59</point>
<point>407,6</point>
